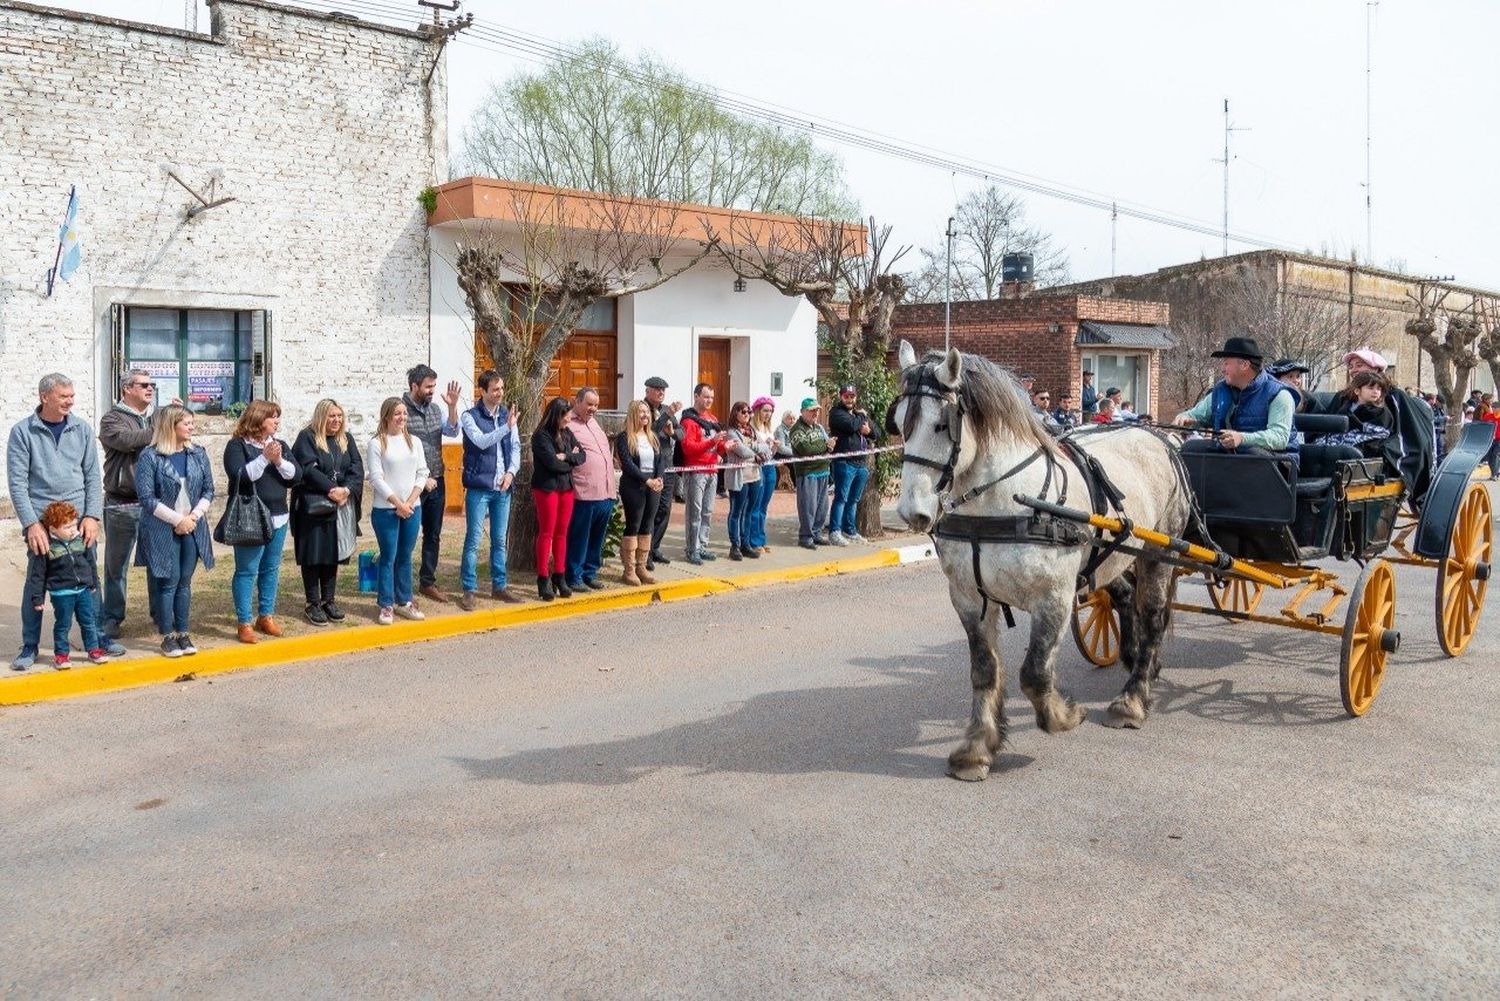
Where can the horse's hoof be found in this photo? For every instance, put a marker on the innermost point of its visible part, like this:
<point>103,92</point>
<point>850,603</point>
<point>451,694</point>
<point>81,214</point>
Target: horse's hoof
<point>1123,715</point>
<point>969,773</point>
<point>1063,719</point>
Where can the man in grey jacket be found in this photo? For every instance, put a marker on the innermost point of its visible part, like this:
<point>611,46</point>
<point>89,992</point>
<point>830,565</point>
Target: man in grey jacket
<point>123,431</point>
<point>52,456</point>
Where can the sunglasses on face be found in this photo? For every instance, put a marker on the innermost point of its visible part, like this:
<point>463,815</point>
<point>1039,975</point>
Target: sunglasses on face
<point>143,385</point>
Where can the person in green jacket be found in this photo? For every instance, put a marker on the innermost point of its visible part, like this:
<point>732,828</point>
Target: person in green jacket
<point>808,438</point>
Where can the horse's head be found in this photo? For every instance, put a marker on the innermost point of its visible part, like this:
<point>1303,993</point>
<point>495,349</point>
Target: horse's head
<point>928,413</point>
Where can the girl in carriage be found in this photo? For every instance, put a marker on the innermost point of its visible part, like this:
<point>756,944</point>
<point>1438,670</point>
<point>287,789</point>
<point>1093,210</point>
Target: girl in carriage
<point>1371,422</point>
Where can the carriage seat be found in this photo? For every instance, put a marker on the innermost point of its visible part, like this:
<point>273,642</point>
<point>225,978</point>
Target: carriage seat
<point>1315,425</point>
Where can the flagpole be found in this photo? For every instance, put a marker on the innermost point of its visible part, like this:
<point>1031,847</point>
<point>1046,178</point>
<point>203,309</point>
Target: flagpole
<point>57,260</point>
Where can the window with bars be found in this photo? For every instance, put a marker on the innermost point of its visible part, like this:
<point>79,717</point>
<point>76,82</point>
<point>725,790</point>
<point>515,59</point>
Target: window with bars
<point>211,359</point>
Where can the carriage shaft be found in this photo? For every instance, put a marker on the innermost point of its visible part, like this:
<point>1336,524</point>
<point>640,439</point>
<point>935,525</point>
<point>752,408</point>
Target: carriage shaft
<point>1305,624</point>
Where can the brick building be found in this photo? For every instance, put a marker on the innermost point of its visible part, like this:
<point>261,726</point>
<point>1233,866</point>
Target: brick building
<point>1054,338</point>
<point>312,280</point>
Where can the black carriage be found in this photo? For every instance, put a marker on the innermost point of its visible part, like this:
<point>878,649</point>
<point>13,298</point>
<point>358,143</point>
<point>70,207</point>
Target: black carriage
<point>1267,520</point>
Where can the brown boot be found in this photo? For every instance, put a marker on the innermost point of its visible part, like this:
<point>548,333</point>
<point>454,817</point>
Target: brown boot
<point>643,550</point>
<point>627,558</point>
<point>268,625</point>
<point>247,633</point>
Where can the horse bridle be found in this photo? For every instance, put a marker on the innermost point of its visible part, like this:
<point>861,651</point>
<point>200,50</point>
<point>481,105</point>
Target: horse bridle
<point>951,420</point>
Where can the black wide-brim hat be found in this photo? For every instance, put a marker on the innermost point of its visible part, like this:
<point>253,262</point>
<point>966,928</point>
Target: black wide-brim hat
<point>1239,347</point>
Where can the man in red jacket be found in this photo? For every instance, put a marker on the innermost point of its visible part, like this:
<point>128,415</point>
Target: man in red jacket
<point>702,444</point>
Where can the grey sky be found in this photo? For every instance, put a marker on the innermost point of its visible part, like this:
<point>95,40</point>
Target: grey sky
<point>1123,100</point>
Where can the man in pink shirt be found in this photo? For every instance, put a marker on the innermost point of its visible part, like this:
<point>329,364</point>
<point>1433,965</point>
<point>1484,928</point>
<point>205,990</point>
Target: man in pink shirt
<point>595,489</point>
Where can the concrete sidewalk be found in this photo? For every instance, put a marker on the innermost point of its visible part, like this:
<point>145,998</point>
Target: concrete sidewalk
<point>214,626</point>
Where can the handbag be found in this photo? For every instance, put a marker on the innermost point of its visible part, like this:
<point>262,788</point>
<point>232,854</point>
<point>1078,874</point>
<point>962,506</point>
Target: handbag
<point>246,521</point>
<point>318,505</point>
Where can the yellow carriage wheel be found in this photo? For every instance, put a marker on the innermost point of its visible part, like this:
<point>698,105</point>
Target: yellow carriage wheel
<point>1096,628</point>
<point>1369,637</point>
<point>1464,573</point>
<point>1235,594</point>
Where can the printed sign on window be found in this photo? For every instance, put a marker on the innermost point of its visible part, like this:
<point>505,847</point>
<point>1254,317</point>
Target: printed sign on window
<point>205,369</point>
<point>205,388</point>
<point>157,369</point>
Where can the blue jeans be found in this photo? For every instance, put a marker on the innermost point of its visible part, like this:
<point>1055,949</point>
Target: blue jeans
<point>64,607</point>
<point>586,538</point>
<point>742,503</point>
<point>480,505</point>
<point>173,595</point>
<point>121,526</point>
<point>31,624</point>
<point>257,568</point>
<point>756,534</point>
<point>849,479</point>
<point>396,537</point>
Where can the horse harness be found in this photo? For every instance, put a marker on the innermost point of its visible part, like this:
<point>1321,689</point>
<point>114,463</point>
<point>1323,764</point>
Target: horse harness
<point>1036,528</point>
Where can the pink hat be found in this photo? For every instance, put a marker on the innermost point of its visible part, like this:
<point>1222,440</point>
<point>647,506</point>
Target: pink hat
<point>1369,357</point>
<point>762,401</point>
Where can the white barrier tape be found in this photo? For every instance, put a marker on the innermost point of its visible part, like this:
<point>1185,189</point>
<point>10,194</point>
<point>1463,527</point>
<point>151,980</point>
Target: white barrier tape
<point>825,457</point>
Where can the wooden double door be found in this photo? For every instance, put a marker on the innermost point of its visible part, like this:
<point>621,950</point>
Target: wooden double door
<point>585,359</point>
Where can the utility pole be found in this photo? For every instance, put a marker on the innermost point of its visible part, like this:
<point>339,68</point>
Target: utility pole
<point>1370,6</point>
<point>1114,220</point>
<point>441,32</point>
<point>1228,128</point>
<point>948,291</point>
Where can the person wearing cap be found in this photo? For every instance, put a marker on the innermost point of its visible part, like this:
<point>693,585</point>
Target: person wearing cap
<point>1409,450</point>
<point>1247,407</point>
<point>1089,399</point>
<point>1289,372</point>
<point>1115,396</point>
<point>852,431</point>
<point>668,431</point>
<point>1027,381</point>
<point>702,446</point>
<point>763,424</point>
<point>809,441</point>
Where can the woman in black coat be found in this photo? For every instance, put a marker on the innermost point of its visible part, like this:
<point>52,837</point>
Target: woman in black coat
<point>325,507</point>
<point>554,453</point>
<point>259,464</point>
<point>642,458</point>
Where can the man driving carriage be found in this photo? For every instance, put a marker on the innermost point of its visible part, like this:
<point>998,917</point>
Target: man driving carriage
<point>1248,409</point>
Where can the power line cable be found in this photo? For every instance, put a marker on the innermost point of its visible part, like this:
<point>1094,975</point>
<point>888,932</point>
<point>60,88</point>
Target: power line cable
<point>534,48</point>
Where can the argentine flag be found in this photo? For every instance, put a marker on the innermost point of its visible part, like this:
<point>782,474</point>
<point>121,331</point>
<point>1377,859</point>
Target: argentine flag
<point>70,253</point>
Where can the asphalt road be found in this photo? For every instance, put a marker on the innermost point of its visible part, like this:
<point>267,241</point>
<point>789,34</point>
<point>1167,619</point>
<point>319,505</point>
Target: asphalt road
<point>744,797</point>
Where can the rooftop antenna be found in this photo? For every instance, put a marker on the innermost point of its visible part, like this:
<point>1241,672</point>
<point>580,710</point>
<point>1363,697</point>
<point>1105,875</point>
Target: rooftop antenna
<point>190,14</point>
<point>1370,6</point>
<point>1228,128</point>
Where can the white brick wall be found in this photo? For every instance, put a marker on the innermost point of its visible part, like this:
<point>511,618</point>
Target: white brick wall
<point>321,128</point>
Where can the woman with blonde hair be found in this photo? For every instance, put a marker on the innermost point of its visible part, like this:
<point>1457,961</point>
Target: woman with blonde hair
<point>325,507</point>
<point>258,464</point>
<point>763,427</point>
<point>642,459</point>
<point>397,468</point>
<point>176,486</point>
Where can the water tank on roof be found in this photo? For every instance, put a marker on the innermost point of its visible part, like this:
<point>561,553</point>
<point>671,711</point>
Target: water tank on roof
<point>1016,267</point>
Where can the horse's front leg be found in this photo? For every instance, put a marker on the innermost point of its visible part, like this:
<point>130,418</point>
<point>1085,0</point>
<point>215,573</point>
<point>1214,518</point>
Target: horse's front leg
<point>1152,612</point>
<point>971,761</point>
<point>1055,712</point>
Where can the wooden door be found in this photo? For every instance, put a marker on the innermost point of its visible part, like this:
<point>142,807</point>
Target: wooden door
<point>584,360</point>
<point>713,368</point>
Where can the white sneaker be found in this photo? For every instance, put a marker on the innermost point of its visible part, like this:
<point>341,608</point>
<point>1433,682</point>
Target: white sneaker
<point>385,617</point>
<point>837,539</point>
<point>855,537</point>
<point>410,611</point>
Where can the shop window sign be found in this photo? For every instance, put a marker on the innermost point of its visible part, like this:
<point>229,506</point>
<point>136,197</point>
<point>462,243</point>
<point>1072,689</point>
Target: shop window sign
<point>202,357</point>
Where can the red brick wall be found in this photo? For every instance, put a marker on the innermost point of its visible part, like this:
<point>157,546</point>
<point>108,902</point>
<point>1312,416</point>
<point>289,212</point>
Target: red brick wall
<point>1020,334</point>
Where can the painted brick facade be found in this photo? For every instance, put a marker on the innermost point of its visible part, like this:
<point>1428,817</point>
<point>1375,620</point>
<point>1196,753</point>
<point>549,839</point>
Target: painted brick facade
<point>1035,334</point>
<point>322,129</point>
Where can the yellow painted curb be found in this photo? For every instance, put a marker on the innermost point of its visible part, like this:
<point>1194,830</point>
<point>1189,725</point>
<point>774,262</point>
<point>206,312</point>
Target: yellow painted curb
<point>47,686</point>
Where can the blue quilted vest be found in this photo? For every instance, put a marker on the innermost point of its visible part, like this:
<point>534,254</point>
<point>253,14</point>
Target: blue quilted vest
<point>480,464</point>
<point>1251,405</point>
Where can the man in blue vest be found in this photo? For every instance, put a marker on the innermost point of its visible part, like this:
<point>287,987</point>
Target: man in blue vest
<point>492,457</point>
<point>1248,409</point>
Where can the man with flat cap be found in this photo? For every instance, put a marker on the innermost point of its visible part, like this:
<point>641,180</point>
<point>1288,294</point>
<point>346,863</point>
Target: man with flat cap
<point>1248,407</point>
<point>669,433</point>
<point>1289,372</point>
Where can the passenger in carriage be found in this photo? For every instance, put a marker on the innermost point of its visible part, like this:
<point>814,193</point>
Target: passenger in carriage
<point>1371,422</point>
<point>1289,373</point>
<point>1250,411</point>
<point>1409,449</point>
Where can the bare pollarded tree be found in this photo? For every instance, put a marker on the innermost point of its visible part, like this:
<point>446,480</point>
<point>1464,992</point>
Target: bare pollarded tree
<point>528,280</point>
<point>988,224</point>
<point>1289,322</point>
<point>845,271</point>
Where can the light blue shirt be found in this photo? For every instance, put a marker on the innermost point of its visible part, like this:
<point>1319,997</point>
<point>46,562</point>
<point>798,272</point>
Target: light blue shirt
<point>469,428</point>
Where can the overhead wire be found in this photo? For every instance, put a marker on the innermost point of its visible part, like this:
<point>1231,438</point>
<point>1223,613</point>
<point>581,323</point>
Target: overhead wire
<point>535,48</point>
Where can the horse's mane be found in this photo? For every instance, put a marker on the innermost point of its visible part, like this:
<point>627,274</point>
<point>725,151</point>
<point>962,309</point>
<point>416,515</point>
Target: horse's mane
<point>995,404</point>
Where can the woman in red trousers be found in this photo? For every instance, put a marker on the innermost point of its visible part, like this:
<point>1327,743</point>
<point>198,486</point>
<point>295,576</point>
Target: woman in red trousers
<point>554,453</point>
